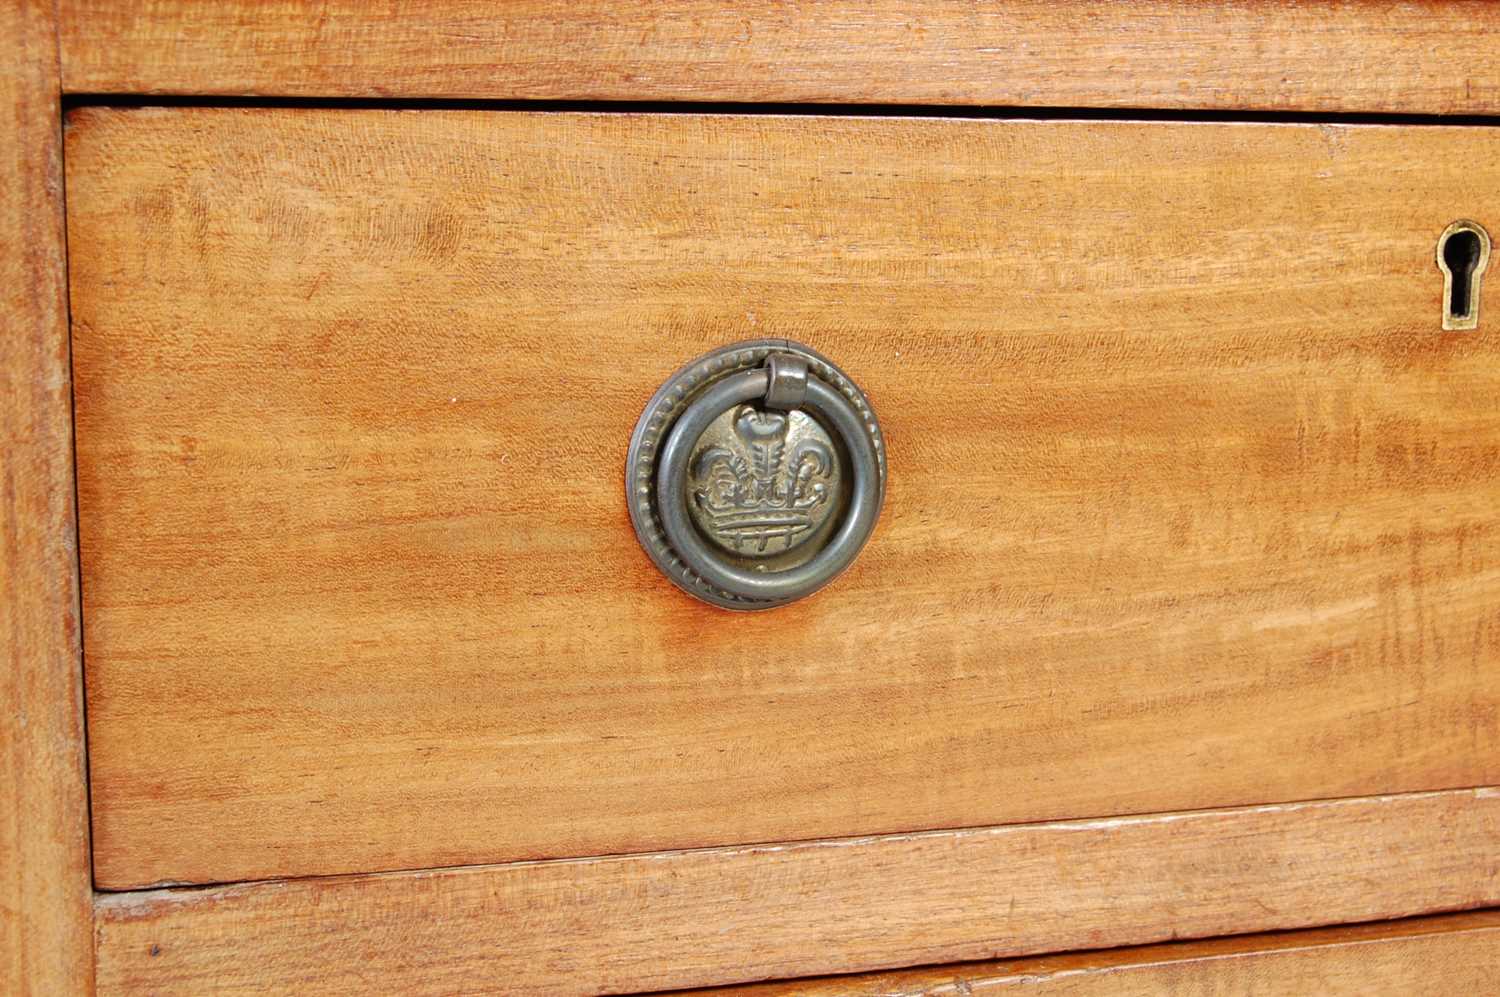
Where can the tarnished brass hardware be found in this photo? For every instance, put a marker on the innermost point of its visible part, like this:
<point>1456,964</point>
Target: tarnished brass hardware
<point>756,474</point>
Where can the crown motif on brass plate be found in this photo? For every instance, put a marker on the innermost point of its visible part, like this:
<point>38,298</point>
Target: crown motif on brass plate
<point>754,489</point>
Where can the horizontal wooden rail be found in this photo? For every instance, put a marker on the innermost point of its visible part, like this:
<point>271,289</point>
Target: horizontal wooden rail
<point>1374,56</point>
<point>695,918</point>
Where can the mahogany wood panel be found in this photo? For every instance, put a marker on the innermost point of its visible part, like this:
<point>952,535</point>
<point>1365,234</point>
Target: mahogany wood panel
<point>723,915</point>
<point>46,915</point>
<point>1191,504</point>
<point>1374,55</point>
<point>1456,954</point>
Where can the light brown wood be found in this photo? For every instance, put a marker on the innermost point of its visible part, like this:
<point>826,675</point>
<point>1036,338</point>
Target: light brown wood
<point>46,914</point>
<point>716,916</point>
<point>1192,503</point>
<point>1375,55</point>
<point>1455,954</point>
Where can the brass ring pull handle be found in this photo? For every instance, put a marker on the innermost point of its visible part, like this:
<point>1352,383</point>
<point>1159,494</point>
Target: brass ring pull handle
<point>756,475</point>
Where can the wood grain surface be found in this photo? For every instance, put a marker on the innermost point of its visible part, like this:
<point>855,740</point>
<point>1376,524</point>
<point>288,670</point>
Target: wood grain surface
<point>1457,954</point>
<point>46,915</point>
<point>726,915</point>
<point>1365,55</point>
<point>1191,502</point>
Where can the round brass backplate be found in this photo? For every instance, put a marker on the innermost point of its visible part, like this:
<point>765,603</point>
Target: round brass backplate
<point>773,502</point>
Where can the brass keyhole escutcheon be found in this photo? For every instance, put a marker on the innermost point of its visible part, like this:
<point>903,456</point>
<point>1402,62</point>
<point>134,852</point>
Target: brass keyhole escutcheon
<point>1463,254</point>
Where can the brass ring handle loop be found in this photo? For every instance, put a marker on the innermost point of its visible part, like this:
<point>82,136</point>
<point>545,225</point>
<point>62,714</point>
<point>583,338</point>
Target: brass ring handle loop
<point>755,474</point>
<point>792,583</point>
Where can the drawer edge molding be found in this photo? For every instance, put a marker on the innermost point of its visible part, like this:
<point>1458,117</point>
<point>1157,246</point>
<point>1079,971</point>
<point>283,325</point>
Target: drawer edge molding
<point>1224,55</point>
<point>724,915</point>
<point>1443,954</point>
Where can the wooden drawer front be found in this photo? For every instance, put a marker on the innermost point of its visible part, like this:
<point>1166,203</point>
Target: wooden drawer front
<point>1191,502</point>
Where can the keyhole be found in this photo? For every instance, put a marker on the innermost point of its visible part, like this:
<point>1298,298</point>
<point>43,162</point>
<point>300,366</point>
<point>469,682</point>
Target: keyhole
<point>1463,253</point>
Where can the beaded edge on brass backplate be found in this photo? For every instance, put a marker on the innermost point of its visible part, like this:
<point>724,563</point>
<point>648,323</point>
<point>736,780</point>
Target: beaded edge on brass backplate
<point>661,412</point>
